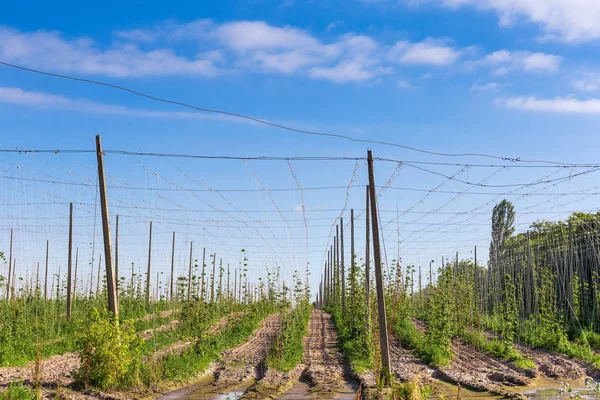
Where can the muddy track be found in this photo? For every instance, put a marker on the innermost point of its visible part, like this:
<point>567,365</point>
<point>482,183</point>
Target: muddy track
<point>245,362</point>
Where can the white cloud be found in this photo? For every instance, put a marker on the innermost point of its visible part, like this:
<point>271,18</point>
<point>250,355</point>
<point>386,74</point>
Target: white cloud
<point>404,84</point>
<point>206,48</point>
<point>504,61</point>
<point>588,82</point>
<point>257,35</point>
<point>355,70</point>
<point>565,20</point>
<point>557,104</point>
<point>48,101</point>
<point>428,52</point>
<point>332,25</point>
<point>48,50</point>
<point>491,86</point>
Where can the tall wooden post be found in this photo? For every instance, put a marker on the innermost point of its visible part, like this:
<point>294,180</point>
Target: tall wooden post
<point>342,267</point>
<point>228,276</point>
<point>352,260</point>
<point>76,268</point>
<point>336,265</point>
<point>149,265</point>
<point>212,285</point>
<point>10,266</point>
<point>203,294</point>
<point>70,262</point>
<point>171,296</point>
<point>383,333</point>
<point>113,303</point>
<point>220,289</point>
<point>189,293</point>
<point>117,257</point>
<point>368,257</point>
<point>46,276</point>
<point>98,280</point>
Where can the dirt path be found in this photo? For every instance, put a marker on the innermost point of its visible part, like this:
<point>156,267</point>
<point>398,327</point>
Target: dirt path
<point>246,361</point>
<point>56,370</point>
<point>326,370</point>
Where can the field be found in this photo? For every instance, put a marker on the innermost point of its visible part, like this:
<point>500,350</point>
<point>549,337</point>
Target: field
<point>527,318</point>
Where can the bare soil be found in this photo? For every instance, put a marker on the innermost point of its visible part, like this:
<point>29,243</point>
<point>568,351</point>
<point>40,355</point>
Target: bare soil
<point>245,362</point>
<point>326,370</point>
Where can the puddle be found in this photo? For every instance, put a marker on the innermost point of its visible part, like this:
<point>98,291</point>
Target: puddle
<point>230,396</point>
<point>556,394</point>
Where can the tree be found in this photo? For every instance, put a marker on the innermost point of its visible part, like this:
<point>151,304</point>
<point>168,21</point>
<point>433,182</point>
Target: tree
<point>503,219</point>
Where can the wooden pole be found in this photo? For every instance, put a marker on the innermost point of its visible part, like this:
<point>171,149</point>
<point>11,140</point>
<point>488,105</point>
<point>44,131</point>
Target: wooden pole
<point>220,289</point>
<point>352,261</point>
<point>117,257</point>
<point>368,258</point>
<point>342,267</point>
<point>76,268</point>
<point>149,265</point>
<point>113,302</point>
<point>189,293</point>
<point>98,280</point>
<point>212,285</point>
<point>203,273</point>
<point>70,262</point>
<point>383,333</point>
<point>46,276</point>
<point>171,296</point>
<point>10,266</point>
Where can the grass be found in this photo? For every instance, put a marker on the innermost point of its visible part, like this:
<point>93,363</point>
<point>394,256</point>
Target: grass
<point>432,352</point>
<point>498,349</point>
<point>287,350</point>
<point>16,391</point>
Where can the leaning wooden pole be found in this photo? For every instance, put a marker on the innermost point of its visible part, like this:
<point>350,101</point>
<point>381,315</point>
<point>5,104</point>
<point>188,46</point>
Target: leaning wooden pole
<point>383,333</point>
<point>70,262</point>
<point>113,303</point>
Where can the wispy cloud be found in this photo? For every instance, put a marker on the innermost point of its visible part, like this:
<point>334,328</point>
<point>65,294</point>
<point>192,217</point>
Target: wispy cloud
<point>563,20</point>
<point>48,101</point>
<point>486,87</point>
<point>557,104</point>
<point>427,52</point>
<point>505,61</point>
<point>49,50</point>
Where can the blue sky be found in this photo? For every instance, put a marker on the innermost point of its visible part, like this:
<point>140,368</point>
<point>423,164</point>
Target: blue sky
<point>518,78</point>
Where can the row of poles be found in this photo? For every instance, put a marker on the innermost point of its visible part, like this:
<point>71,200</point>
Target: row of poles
<point>207,291</point>
<point>334,270</point>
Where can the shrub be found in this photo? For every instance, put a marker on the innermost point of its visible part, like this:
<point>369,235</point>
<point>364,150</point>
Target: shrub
<point>16,391</point>
<point>109,353</point>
